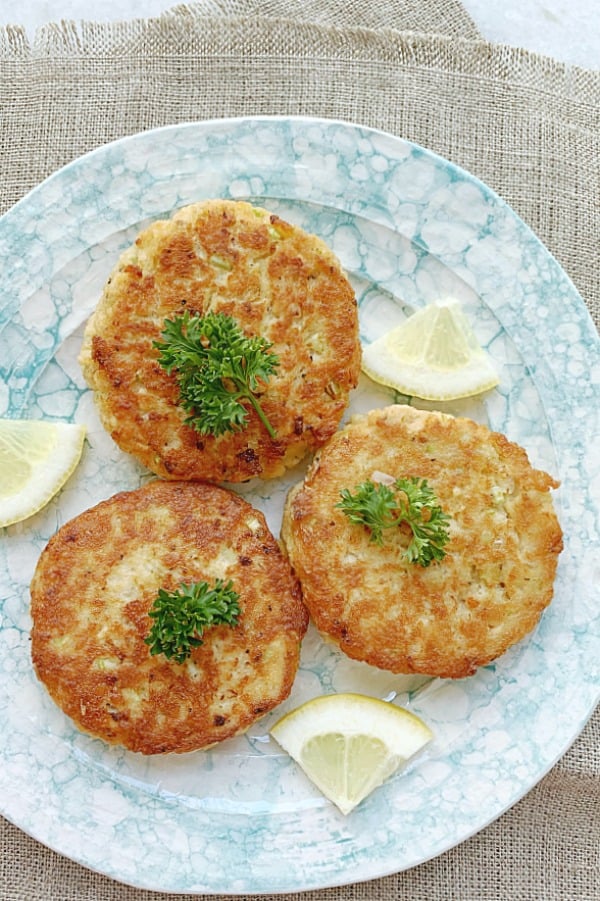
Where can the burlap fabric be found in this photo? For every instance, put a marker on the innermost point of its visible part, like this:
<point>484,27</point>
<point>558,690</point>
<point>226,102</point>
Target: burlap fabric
<point>527,126</point>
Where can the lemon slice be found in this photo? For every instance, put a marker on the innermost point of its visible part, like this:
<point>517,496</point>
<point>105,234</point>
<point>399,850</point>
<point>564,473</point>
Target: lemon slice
<point>433,354</point>
<point>36,459</point>
<point>348,744</point>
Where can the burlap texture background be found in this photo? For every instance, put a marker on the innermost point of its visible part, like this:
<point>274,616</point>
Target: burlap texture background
<point>527,126</point>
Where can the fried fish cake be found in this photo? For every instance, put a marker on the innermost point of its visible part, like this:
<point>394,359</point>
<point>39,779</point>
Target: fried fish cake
<point>277,282</point>
<point>95,583</point>
<point>454,615</point>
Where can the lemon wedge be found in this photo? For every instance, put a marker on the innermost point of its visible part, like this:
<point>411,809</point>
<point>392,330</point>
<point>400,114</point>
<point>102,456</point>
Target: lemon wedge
<point>433,354</point>
<point>348,744</point>
<point>36,459</point>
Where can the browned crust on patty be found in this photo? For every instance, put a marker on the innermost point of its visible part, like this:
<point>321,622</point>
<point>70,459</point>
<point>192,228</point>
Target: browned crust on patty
<point>277,281</point>
<point>453,616</point>
<point>91,592</point>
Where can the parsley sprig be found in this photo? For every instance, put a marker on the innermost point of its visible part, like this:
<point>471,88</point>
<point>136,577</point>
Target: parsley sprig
<point>379,506</point>
<point>218,368</point>
<point>181,616</point>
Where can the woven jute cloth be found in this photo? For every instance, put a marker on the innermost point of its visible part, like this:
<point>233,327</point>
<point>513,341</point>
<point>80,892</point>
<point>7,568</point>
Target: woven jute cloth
<point>526,125</point>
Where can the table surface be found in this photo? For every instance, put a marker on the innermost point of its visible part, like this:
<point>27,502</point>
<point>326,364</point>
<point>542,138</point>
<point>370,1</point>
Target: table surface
<point>568,30</point>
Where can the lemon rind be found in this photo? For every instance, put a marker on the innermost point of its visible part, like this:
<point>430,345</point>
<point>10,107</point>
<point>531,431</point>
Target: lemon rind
<point>345,712</point>
<point>415,381</point>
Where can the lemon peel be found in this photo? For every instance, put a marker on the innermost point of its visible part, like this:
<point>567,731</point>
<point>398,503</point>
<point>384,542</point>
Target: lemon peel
<point>348,744</point>
<point>434,354</point>
<point>36,459</point>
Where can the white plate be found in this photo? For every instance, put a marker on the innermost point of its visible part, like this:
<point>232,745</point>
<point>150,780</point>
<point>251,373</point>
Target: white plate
<point>406,224</point>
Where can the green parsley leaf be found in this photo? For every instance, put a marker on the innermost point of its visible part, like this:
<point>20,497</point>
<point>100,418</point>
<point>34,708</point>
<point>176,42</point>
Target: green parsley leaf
<point>372,505</point>
<point>378,506</point>
<point>181,616</point>
<point>219,370</point>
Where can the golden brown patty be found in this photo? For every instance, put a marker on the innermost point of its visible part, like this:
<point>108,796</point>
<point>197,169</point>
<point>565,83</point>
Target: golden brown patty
<point>96,581</point>
<point>459,613</point>
<point>277,282</point>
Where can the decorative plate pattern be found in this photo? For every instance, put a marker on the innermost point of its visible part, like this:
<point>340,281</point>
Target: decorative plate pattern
<point>408,227</point>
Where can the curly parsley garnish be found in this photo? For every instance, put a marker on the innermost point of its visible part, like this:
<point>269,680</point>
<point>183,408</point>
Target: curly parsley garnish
<point>218,368</point>
<point>379,506</point>
<point>181,616</point>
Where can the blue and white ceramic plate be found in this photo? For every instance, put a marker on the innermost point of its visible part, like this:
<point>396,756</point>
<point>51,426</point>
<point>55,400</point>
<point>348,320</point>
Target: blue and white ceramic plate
<point>408,227</point>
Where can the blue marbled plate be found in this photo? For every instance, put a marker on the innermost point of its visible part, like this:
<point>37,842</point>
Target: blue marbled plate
<point>409,227</point>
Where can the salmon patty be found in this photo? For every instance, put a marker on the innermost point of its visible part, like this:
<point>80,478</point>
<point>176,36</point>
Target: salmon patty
<point>91,594</point>
<point>276,282</point>
<point>458,613</point>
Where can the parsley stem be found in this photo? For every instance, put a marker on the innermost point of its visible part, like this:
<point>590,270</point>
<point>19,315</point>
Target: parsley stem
<point>261,415</point>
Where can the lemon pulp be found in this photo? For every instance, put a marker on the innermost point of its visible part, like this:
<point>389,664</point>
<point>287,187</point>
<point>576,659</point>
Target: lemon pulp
<point>434,355</point>
<point>349,744</point>
<point>36,459</point>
